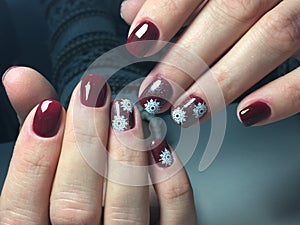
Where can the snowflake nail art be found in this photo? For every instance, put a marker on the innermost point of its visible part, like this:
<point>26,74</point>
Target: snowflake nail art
<point>122,115</point>
<point>199,110</point>
<point>126,105</point>
<point>152,106</point>
<point>189,111</point>
<point>166,157</point>
<point>179,115</point>
<point>119,123</point>
<point>161,153</point>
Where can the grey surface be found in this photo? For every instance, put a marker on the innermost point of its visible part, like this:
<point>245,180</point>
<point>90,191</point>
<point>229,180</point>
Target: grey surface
<point>254,180</point>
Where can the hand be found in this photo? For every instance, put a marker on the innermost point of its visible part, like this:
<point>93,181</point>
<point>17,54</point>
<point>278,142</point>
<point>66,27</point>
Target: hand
<point>56,169</point>
<point>241,42</point>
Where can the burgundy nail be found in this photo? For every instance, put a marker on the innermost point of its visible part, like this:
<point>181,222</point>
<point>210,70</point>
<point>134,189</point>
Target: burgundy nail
<point>93,90</point>
<point>122,118</point>
<point>156,96</point>
<point>161,153</point>
<point>190,111</point>
<point>47,118</point>
<point>255,113</point>
<point>142,39</point>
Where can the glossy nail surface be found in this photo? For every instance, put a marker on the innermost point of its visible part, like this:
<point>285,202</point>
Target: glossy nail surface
<point>93,90</point>
<point>145,31</point>
<point>122,118</point>
<point>255,113</point>
<point>156,95</point>
<point>190,111</point>
<point>47,118</point>
<point>161,153</point>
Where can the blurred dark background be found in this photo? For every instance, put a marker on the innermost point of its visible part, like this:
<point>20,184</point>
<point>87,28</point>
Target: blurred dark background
<point>23,35</point>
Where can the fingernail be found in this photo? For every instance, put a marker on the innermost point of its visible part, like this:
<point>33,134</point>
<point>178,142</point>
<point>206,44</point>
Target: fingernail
<point>156,96</point>
<point>161,153</point>
<point>93,91</point>
<point>189,111</point>
<point>5,73</point>
<point>145,31</point>
<point>122,115</point>
<point>254,113</point>
<point>47,118</point>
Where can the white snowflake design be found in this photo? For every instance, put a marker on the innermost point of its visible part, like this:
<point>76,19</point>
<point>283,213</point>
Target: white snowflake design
<point>126,105</point>
<point>152,106</point>
<point>200,110</point>
<point>179,115</point>
<point>166,157</point>
<point>120,123</point>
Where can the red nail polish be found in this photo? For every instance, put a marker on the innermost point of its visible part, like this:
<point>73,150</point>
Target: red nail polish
<point>137,43</point>
<point>156,96</point>
<point>122,118</point>
<point>47,118</point>
<point>255,113</point>
<point>93,91</point>
<point>189,111</point>
<point>161,153</point>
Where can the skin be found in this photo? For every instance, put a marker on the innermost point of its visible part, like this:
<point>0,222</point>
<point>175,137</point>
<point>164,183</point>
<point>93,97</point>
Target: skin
<point>49,180</point>
<point>240,41</point>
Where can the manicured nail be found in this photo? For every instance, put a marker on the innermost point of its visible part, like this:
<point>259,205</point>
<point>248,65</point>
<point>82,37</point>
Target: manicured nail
<point>122,115</point>
<point>190,111</point>
<point>161,153</point>
<point>145,31</point>
<point>9,69</point>
<point>156,96</point>
<point>47,118</point>
<point>93,91</point>
<point>255,113</point>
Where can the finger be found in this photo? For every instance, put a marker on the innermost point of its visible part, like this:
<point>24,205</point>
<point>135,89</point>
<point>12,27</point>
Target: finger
<point>266,45</point>
<point>127,196</point>
<point>217,27</point>
<point>272,102</point>
<point>25,88</point>
<point>172,186</point>
<point>157,20</point>
<point>77,190</point>
<point>129,9</point>
<point>25,195</point>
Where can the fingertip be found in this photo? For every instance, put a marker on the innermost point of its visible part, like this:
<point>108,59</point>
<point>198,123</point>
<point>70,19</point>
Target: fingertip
<point>129,9</point>
<point>25,88</point>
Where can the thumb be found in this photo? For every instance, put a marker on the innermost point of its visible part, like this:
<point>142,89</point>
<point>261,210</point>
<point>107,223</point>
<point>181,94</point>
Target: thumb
<point>25,88</point>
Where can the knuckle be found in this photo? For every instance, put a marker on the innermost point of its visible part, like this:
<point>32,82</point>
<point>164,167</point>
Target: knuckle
<point>291,90</point>
<point>122,215</point>
<point>9,217</point>
<point>72,208</point>
<point>282,29</point>
<point>177,192</point>
<point>34,162</point>
<point>242,10</point>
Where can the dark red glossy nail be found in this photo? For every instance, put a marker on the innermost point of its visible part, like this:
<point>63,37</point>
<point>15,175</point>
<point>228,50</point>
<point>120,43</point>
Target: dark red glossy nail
<point>142,39</point>
<point>47,118</point>
<point>255,113</point>
<point>93,90</point>
<point>161,153</point>
<point>122,118</point>
<point>189,111</point>
<point>156,96</point>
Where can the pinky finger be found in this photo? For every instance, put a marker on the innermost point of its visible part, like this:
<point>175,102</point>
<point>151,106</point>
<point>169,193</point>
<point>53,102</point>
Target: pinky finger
<point>172,186</point>
<point>273,102</point>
